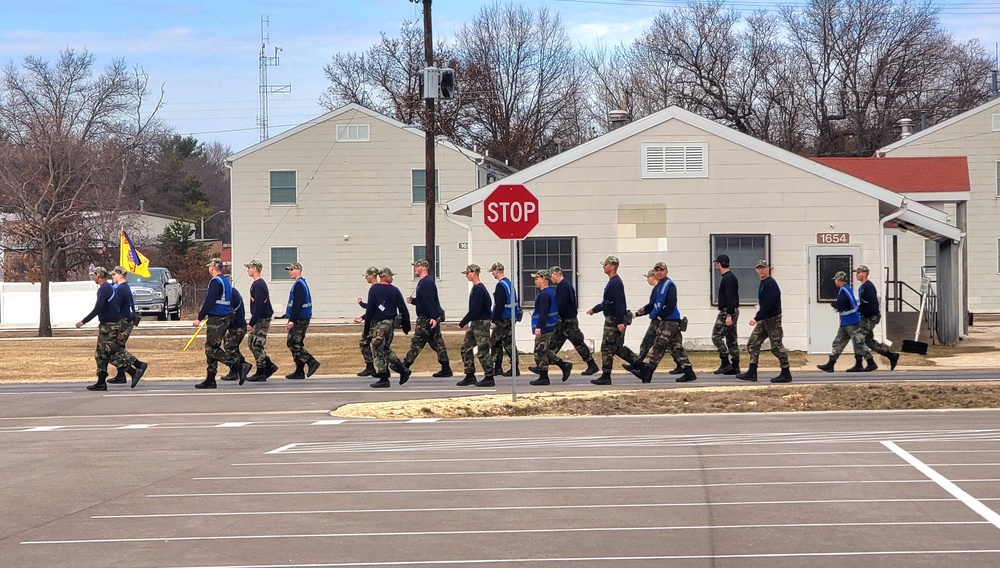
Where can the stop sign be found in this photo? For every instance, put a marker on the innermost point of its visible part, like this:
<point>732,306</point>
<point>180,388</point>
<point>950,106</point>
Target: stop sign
<point>511,211</point>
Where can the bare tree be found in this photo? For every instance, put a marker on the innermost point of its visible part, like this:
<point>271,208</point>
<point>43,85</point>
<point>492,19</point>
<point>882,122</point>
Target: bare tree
<point>65,159</point>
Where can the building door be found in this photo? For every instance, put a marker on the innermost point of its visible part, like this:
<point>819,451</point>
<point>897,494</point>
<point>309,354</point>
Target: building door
<point>824,262</point>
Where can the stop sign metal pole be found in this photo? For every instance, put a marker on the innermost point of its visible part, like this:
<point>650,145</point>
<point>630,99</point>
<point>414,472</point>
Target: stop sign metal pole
<point>513,320</point>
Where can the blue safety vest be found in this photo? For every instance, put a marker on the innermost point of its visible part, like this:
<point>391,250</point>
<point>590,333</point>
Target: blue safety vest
<point>511,299</point>
<point>222,306</point>
<point>551,319</point>
<point>850,316</point>
<point>307,306</point>
<point>662,299</point>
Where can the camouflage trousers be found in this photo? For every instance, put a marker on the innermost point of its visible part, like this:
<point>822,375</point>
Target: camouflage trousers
<point>850,334</point>
<point>648,338</point>
<point>296,342</point>
<point>869,324</point>
<point>256,340</point>
<point>612,344</point>
<point>424,334</point>
<point>767,329</point>
<point>570,329</point>
<point>215,336</point>
<point>122,358</point>
<point>107,345</point>
<point>365,345</point>
<point>500,340</point>
<point>478,337</point>
<point>544,354</point>
<point>668,338</point>
<point>382,354</point>
<point>724,336</point>
<point>231,343</point>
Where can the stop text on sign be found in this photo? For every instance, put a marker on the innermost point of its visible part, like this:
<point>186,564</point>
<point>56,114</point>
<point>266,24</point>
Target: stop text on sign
<point>510,211</point>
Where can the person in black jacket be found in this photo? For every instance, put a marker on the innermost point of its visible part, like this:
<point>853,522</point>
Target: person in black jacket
<point>871,315</point>
<point>428,327</point>
<point>544,320</point>
<point>569,326</point>
<point>106,312</point>
<point>478,335</point>
<point>385,304</point>
<point>218,311</point>
<point>767,325</point>
<point>365,343</point>
<point>123,360</point>
<point>234,337</point>
<point>261,312</point>
<point>614,307</point>
<point>724,331</point>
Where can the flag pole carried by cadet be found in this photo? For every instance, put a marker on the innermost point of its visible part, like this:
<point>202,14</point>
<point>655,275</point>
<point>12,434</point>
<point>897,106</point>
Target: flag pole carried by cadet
<point>217,314</point>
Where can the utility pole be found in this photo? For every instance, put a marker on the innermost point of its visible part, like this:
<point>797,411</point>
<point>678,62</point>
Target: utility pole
<point>430,173</point>
<point>263,88</point>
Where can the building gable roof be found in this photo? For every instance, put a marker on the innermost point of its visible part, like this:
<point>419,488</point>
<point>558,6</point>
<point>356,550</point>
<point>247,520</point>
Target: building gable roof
<point>909,174</point>
<point>994,103</point>
<point>414,130</point>
<point>925,220</point>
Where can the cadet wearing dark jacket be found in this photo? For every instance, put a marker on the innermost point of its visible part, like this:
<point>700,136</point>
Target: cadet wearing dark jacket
<point>568,326</point>
<point>850,329</point>
<point>871,315</point>
<point>767,325</point>
<point>668,333</point>
<point>108,316</point>
<point>123,359</point>
<point>261,312</point>
<point>724,331</point>
<point>234,336</point>
<point>544,320</point>
<point>614,308</point>
<point>218,311</point>
<point>478,335</point>
<point>500,320</point>
<point>385,303</point>
<point>428,328</point>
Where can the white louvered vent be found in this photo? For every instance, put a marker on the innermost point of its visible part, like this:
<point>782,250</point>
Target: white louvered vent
<point>674,160</point>
<point>353,133</point>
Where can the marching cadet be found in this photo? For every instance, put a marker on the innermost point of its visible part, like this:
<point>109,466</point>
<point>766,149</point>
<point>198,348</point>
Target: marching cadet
<point>365,344</point>
<point>500,320</point>
<point>234,337</point>
<point>428,327</point>
<point>767,325</point>
<point>544,319</point>
<point>261,312</point>
<point>478,335</point>
<point>569,326</point>
<point>656,277</point>
<point>123,360</point>
<point>615,310</point>
<point>850,329</point>
<point>106,312</point>
<point>385,304</point>
<point>299,312</point>
<point>668,333</point>
<point>868,305</point>
<point>218,309</point>
<point>724,331</point>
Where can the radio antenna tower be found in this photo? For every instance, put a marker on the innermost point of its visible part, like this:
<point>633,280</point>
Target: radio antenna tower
<point>264,89</point>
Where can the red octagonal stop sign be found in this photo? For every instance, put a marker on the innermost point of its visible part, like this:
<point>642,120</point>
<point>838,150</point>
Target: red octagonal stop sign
<point>511,211</point>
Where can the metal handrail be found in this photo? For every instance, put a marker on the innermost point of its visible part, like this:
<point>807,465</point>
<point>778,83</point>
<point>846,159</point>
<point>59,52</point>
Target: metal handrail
<point>894,295</point>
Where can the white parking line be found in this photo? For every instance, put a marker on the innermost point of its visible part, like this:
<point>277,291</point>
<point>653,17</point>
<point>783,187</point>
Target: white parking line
<point>136,426</point>
<point>971,502</point>
<point>232,424</point>
<point>327,422</point>
<point>422,420</point>
<point>504,531</point>
<point>42,429</point>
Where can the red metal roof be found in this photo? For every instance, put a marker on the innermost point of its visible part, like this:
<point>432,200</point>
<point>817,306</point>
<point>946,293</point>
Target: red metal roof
<point>907,175</point>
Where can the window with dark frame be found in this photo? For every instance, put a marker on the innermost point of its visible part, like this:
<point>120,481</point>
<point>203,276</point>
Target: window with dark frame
<point>280,258</point>
<point>744,251</point>
<point>282,186</point>
<point>418,186</point>
<point>538,253</point>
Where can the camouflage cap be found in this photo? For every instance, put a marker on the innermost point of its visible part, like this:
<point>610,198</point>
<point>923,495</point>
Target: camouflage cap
<point>660,266</point>
<point>293,266</point>
<point>423,263</point>
<point>542,273</point>
<point>255,264</point>
<point>862,268</point>
<point>840,275</point>
<point>216,262</point>
<point>472,268</point>
<point>372,271</point>
<point>612,259</point>
<point>762,264</point>
<point>119,270</point>
<point>556,270</point>
<point>386,272</point>
<point>650,273</point>
<point>99,271</point>
<point>497,266</point>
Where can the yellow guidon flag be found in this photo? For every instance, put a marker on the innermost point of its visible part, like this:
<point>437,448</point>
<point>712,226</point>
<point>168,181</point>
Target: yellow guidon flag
<point>131,259</point>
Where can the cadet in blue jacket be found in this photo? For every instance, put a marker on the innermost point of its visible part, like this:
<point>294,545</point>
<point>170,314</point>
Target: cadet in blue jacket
<point>543,325</point>
<point>299,312</point>
<point>850,329</point>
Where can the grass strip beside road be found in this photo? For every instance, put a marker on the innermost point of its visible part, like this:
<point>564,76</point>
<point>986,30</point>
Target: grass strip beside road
<point>740,398</point>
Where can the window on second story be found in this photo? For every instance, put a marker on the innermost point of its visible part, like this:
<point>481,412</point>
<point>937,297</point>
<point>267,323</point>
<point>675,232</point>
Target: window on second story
<point>353,133</point>
<point>282,188</point>
<point>418,186</point>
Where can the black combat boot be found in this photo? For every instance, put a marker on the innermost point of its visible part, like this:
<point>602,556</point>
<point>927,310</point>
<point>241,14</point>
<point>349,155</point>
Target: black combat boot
<point>532,369</point>
<point>646,371</point>
<point>382,382</point>
<point>678,370</point>
<point>137,371</point>
<point>542,380</point>
<point>119,378</point>
<point>470,379</point>
<point>487,382</point>
<point>101,384</point>
<point>298,373</point>
<point>604,379</point>
<point>566,367</point>
<point>592,368</point>
<point>208,383</point>
<point>893,359</point>
<point>750,375</point>
<point>233,374</point>
<point>513,371</point>
<point>688,375</point>
<point>724,365</point>
<point>869,365</point>
<point>368,371</point>
<point>244,371</point>
<point>828,366</point>
<point>785,376</point>
<point>444,372</point>
<point>312,366</point>
<point>858,367</point>
<point>260,375</point>
<point>404,372</point>
<point>735,364</point>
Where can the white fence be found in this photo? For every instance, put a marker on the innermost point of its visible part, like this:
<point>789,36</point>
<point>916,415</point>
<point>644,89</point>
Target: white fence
<point>68,301</point>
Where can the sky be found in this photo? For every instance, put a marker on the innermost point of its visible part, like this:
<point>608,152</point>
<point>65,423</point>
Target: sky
<point>205,55</point>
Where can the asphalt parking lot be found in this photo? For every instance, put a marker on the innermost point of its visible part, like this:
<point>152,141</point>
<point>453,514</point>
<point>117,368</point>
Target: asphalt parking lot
<point>161,478</point>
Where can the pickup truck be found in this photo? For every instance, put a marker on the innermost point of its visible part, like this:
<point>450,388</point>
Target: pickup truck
<point>160,294</point>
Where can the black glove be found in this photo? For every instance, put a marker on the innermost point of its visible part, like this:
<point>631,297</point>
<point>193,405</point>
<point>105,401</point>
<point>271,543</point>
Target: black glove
<point>406,329</point>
